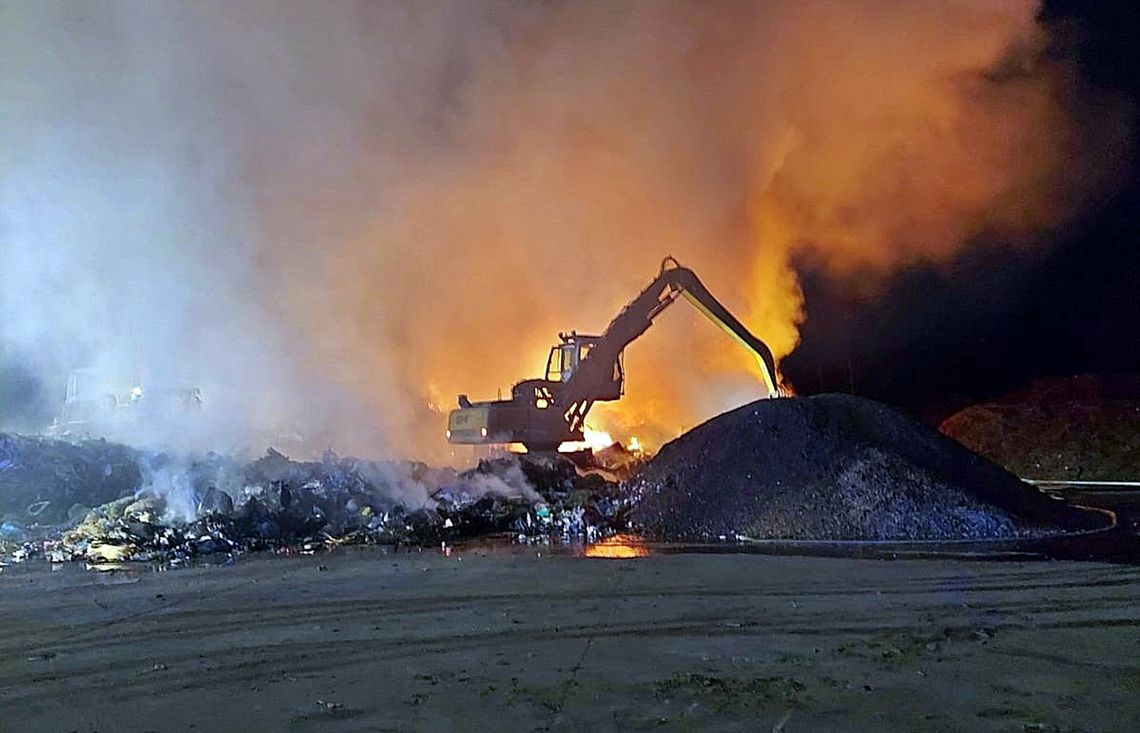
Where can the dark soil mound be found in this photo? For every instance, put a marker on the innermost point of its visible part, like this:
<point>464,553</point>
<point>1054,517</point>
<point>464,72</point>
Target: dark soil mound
<point>835,467</point>
<point>1081,428</point>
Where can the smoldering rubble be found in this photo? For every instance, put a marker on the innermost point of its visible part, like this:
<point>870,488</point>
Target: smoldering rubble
<point>105,504</point>
<point>823,468</point>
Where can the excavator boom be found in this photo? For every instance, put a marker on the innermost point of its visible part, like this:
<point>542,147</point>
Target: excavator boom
<point>544,412</point>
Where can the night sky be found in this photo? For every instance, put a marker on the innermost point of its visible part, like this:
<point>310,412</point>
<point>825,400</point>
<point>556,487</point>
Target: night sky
<point>939,338</point>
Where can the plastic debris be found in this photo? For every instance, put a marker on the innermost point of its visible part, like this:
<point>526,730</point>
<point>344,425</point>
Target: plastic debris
<point>175,511</point>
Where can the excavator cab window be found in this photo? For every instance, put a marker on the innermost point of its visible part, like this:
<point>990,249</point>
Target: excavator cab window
<point>553,365</point>
<point>565,358</point>
<point>569,360</point>
<point>562,362</point>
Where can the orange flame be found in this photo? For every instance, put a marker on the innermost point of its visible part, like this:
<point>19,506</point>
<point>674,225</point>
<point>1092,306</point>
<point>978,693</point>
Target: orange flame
<point>618,547</point>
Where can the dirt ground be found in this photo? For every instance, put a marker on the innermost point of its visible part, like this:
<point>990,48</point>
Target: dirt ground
<point>520,639</point>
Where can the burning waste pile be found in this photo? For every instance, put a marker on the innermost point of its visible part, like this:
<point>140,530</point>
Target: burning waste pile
<point>170,510</point>
<point>822,468</point>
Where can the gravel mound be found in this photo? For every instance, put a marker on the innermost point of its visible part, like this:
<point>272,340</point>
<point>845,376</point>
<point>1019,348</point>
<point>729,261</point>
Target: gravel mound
<point>835,467</point>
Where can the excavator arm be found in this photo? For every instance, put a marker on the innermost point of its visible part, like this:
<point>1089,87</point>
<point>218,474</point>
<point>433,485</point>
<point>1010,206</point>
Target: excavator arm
<point>545,412</point>
<point>598,368</point>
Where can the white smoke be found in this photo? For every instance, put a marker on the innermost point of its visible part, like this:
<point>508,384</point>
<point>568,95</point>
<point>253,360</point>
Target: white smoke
<point>327,215</point>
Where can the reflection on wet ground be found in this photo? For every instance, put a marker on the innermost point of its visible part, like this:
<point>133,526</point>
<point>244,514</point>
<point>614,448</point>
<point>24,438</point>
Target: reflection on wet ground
<point>619,547</point>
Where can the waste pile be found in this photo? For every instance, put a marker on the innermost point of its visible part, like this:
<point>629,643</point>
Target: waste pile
<point>174,509</point>
<point>835,467</point>
<point>614,463</point>
<point>828,467</point>
<point>47,482</point>
<point>1076,428</point>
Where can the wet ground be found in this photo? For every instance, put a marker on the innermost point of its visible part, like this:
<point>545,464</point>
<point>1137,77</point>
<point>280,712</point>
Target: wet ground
<point>519,638</point>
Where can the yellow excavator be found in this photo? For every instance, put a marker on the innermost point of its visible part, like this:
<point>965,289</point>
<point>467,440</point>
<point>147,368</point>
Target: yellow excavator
<point>581,370</point>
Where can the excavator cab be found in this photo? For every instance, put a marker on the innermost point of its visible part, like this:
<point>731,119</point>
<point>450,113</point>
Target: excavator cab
<point>575,348</point>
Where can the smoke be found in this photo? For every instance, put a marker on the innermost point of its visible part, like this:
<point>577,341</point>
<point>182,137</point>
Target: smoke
<point>188,488</point>
<point>335,217</point>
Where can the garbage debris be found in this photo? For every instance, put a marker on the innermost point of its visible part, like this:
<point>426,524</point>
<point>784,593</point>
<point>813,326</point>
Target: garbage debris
<point>42,479</point>
<point>172,510</point>
<point>835,467</point>
<point>615,463</point>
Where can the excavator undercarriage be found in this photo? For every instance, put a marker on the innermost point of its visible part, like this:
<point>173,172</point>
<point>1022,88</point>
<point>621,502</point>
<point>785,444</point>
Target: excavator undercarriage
<point>581,370</point>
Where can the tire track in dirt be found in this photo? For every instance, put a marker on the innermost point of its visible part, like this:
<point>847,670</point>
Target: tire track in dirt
<point>368,630</point>
<point>170,623</point>
<point>225,666</point>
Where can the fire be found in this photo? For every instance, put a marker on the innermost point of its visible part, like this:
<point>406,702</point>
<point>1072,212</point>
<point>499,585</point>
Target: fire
<point>597,439</point>
<point>593,439</point>
<point>618,547</point>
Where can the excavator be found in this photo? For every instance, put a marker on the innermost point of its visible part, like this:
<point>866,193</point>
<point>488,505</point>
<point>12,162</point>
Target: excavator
<point>543,413</point>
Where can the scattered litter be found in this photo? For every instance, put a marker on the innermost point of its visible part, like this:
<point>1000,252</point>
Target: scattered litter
<point>41,657</point>
<point>36,508</point>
